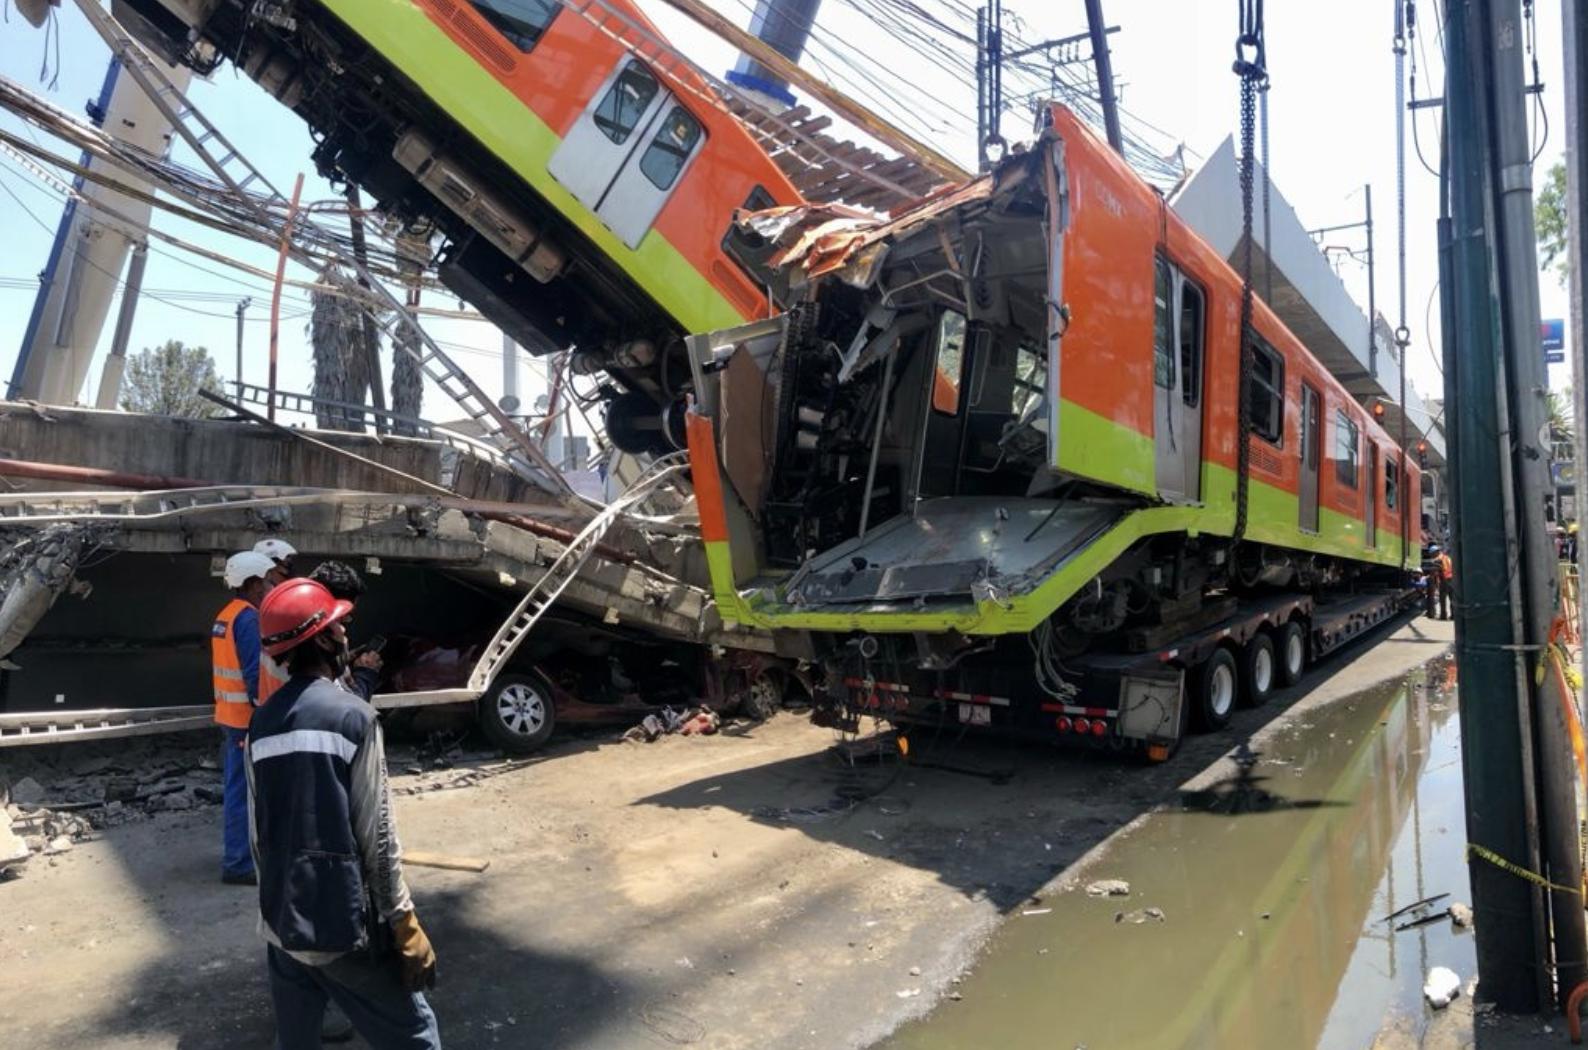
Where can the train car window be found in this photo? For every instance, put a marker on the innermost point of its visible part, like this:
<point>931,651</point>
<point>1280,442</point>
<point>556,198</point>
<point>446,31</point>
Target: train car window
<point>1268,394</point>
<point>664,158</point>
<point>1191,329</point>
<point>625,103</point>
<point>950,363</point>
<point>1392,482</point>
<point>1163,326</point>
<point>749,251</point>
<point>1345,450</point>
<point>522,22</point>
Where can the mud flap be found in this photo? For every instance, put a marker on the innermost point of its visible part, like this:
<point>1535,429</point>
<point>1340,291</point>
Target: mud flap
<point>1152,705</point>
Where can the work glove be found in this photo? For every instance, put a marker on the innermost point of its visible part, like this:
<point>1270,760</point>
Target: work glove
<point>413,950</point>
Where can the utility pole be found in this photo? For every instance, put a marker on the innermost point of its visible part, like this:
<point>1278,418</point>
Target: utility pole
<point>1105,74</point>
<point>1372,302</point>
<point>1403,336</point>
<point>1527,385</point>
<point>1521,811</point>
<point>242,308</point>
<point>989,83</point>
<point>1574,30</point>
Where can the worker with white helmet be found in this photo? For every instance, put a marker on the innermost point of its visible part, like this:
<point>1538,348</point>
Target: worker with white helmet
<point>281,552</point>
<point>234,659</point>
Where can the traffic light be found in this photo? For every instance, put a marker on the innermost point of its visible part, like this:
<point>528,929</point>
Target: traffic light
<point>1378,410</point>
<point>1422,455</point>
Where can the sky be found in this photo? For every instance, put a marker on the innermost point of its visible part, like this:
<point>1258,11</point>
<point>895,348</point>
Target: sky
<point>1331,122</point>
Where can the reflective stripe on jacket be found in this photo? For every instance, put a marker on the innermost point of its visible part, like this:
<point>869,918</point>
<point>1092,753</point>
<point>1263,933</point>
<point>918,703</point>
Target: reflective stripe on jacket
<point>235,672</point>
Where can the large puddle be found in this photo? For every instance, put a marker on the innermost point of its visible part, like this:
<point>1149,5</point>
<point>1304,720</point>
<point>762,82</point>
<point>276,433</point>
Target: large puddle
<point>1272,888</point>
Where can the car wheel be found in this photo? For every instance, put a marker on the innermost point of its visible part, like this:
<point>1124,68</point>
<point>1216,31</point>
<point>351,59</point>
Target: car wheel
<point>517,714</point>
<point>1217,687</point>
<point>763,698</point>
<point>1261,669</point>
<point>1292,653</point>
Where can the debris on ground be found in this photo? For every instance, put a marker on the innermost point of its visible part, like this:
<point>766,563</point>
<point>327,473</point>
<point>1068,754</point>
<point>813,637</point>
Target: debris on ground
<point>65,795</point>
<point>1460,915</point>
<point>1108,888</point>
<point>1139,916</point>
<point>1441,987</point>
<point>694,721</point>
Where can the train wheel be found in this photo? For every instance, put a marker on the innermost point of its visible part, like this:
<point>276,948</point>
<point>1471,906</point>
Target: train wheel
<point>1260,669</point>
<point>1292,653</point>
<point>1217,685</point>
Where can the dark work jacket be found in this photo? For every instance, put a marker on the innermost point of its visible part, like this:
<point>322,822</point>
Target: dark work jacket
<point>301,749</point>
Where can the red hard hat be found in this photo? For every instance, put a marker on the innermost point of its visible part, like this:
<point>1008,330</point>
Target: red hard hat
<point>296,611</point>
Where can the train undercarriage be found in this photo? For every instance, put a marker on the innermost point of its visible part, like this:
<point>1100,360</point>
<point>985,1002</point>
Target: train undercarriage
<point>454,205</point>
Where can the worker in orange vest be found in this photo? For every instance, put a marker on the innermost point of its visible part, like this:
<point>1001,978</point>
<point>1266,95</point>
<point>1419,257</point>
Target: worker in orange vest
<point>234,658</point>
<point>1446,571</point>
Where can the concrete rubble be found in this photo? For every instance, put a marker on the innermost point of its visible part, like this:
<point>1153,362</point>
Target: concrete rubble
<point>56,797</point>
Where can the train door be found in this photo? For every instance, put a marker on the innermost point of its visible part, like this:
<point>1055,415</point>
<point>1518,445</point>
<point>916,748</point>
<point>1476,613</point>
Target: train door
<point>1370,519</point>
<point>627,151</point>
<point>1311,455</point>
<point>1177,384</point>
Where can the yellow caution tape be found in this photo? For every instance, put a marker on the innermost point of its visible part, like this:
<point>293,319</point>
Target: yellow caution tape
<point>1474,850</point>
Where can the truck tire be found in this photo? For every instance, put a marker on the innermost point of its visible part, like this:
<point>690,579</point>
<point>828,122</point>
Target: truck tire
<point>1217,685</point>
<point>517,714</point>
<point>1259,670</point>
<point>1291,648</point>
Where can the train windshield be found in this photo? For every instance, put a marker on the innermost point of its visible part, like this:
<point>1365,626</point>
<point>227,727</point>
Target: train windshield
<point>521,21</point>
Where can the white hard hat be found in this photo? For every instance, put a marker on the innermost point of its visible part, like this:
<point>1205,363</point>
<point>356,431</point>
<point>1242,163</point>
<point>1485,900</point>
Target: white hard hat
<point>245,565</point>
<point>274,549</point>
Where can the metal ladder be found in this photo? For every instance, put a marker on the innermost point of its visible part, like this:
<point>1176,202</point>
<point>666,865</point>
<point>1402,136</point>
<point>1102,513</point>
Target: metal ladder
<point>198,132</point>
<point>56,727</point>
<point>544,592</point>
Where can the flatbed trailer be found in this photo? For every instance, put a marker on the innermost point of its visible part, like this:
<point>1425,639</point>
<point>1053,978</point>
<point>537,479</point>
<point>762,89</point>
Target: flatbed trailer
<point>1145,699</point>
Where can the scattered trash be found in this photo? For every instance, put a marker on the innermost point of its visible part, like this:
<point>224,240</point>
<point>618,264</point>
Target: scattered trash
<point>1037,911</point>
<point>1460,915</point>
<point>915,971</point>
<point>695,721</point>
<point>1140,915</point>
<point>874,833</point>
<point>1441,987</point>
<point>908,993</point>
<point>1108,888</point>
<point>1414,906</point>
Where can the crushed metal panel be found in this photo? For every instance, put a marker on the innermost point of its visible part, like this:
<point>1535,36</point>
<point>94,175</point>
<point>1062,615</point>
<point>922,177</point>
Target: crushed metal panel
<point>950,546</point>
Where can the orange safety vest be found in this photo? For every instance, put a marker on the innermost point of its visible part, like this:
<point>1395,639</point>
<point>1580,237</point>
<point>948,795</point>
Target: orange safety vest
<point>272,676</point>
<point>1446,569</point>
<point>232,707</point>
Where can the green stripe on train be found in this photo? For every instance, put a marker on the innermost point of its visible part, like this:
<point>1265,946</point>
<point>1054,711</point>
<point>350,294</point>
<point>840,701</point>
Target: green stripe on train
<point>452,78</point>
<point>1272,516</point>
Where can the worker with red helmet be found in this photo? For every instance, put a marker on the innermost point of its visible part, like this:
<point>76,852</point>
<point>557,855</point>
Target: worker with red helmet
<point>234,673</point>
<point>334,908</point>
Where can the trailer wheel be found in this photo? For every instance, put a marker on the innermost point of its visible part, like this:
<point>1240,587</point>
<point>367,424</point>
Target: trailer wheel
<point>1217,686</point>
<point>1292,648</point>
<point>517,714</point>
<point>1260,667</point>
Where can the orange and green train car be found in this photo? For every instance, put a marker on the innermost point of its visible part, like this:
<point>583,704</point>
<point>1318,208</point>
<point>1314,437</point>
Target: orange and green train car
<point>995,435</point>
<point>582,196</point>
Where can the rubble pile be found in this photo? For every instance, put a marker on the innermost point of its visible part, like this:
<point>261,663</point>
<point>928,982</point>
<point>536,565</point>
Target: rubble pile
<point>54,797</point>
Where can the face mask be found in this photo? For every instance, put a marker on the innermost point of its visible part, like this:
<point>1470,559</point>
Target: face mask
<point>337,652</point>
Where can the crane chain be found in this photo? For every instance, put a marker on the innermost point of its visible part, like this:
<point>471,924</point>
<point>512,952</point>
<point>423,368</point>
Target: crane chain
<point>1251,67</point>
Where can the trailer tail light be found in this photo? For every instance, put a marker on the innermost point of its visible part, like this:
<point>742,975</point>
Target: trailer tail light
<point>1062,723</point>
<point>1099,727</point>
<point>1158,752</point>
<point>1082,725</point>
